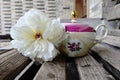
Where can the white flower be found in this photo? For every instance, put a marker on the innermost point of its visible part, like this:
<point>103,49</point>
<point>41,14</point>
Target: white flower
<point>35,35</point>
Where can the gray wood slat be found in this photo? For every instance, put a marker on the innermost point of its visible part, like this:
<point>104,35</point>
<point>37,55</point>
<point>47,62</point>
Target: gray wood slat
<point>52,70</point>
<point>90,69</point>
<point>4,51</point>
<point>115,13</point>
<point>112,40</point>
<point>11,64</point>
<point>114,32</point>
<point>6,55</point>
<point>107,66</point>
<point>110,54</point>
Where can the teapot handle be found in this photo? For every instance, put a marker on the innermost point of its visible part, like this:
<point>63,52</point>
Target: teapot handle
<point>106,31</point>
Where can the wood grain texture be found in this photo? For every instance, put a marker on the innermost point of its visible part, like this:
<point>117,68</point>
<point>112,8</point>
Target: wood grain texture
<point>112,40</point>
<point>11,63</point>
<point>114,32</point>
<point>110,54</point>
<point>107,66</point>
<point>4,51</point>
<point>7,55</point>
<point>89,69</point>
<point>115,13</point>
<point>54,70</point>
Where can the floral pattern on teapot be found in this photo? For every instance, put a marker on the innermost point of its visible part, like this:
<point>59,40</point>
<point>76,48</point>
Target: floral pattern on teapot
<point>74,45</point>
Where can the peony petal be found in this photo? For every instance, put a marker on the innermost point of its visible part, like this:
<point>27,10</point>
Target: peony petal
<point>22,33</point>
<point>48,51</point>
<point>36,19</point>
<point>54,32</point>
<point>20,45</point>
<point>42,49</point>
<point>21,22</point>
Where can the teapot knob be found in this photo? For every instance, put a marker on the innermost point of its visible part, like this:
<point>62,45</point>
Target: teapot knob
<point>74,15</point>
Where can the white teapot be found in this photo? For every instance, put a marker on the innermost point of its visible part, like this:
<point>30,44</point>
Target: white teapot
<point>79,39</point>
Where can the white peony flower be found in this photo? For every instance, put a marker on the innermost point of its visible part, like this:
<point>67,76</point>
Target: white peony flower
<point>35,35</point>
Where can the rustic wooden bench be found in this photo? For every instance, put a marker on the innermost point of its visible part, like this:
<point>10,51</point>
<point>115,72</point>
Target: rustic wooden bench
<point>102,63</point>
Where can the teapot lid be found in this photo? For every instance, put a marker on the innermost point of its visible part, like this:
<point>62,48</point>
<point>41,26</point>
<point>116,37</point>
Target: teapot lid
<point>77,27</point>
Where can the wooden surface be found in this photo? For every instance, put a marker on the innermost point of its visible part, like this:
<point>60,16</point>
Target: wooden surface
<point>115,13</point>
<point>102,63</point>
<point>11,63</point>
<point>52,70</point>
<point>114,32</point>
<point>109,54</point>
<point>113,40</point>
<point>4,51</point>
<point>89,69</point>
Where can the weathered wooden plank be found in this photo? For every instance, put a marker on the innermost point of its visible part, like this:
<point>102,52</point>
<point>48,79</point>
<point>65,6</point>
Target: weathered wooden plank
<point>115,13</point>
<point>112,40</point>
<point>114,32</point>
<point>11,63</point>
<point>31,71</point>
<point>90,69</point>
<point>107,66</point>
<point>6,55</point>
<point>4,51</point>
<point>110,54</point>
<point>54,70</point>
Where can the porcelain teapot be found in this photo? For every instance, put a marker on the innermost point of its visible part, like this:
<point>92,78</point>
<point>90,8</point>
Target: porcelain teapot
<point>80,38</point>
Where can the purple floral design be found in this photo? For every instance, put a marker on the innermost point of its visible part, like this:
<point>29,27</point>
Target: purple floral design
<point>74,46</point>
